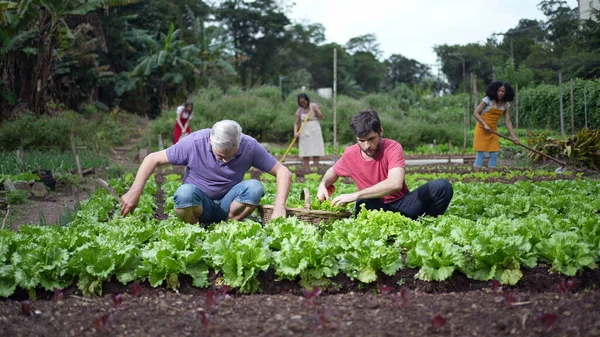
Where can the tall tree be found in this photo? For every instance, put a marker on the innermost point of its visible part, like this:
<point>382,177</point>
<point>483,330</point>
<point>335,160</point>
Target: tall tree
<point>401,69</point>
<point>364,43</point>
<point>258,30</point>
<point>29,60</point>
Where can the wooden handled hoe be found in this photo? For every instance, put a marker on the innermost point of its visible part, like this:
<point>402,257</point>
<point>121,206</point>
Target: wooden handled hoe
<point>562,163</point>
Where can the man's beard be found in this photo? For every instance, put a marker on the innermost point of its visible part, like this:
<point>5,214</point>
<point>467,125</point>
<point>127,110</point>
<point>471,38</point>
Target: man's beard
<point>374,152</point>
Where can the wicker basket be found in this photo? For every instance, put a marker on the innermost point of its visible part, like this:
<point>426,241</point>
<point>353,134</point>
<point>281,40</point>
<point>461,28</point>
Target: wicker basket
<point>305,214</point>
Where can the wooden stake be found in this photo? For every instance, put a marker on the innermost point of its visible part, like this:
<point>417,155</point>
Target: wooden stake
<point>572,107</point>
<point>160,142</point>
<point>6,216</point>
<point>74,149</point>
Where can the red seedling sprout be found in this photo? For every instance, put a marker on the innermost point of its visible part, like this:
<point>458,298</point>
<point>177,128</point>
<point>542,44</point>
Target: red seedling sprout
<point>101,323</point>
<point>508,298</point>
<point>211,299</point>
<point>437,322</point>
<point>58,295</point>
<point>223,289</point>
<point>548,320</point>
<point>323,317</point>
<point>213,296</point>
<point>384,290</point>
<point>204,320</point>
<point>137,289</point>
<point>26,308</point>
<point>564,286</point>
<point>496,287</point>
<point>401,297</point>
<point>117,300</point>
<point>309,295</point>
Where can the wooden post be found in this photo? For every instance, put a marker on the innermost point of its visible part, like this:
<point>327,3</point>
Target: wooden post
<point>572,108</point>
<point>585,105</point>
<point>560,99</point>
<point>449,152</point>
<point>23,157</point>
<point>465,109</point>
<point>475,100</point>
<point>160,143</point>
<point>517,110</point>
<point>334,105</point>
<point>74,149</point>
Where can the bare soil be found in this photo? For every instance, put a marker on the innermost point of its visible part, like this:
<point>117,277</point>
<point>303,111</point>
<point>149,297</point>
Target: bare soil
<point>457,307</point>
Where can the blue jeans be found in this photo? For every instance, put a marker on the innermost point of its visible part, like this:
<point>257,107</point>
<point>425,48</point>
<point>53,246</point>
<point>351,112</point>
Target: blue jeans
<point>432,199</point>
<point>246,192</point>
<point>481,156</point>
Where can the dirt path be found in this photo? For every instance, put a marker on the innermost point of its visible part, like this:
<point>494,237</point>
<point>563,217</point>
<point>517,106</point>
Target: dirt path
<point>58,205</point>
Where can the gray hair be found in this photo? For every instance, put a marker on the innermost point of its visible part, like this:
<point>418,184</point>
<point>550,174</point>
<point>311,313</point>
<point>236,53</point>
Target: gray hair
<point>226,135</point>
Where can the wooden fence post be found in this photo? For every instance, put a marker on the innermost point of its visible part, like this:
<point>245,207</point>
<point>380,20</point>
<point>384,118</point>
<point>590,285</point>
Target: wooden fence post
<point>572,108</point>
<point>160,143</point>
<point>74,149</point>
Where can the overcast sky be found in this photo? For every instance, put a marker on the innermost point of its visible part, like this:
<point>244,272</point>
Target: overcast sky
<point>413,27</point>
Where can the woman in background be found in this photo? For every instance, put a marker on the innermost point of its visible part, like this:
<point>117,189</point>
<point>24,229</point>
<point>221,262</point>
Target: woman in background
<point>182,121</point>
<point>310,137</point>
<point>493,106</point>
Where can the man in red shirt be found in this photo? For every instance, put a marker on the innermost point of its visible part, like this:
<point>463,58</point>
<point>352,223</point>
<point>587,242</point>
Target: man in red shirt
<point>378,167</point>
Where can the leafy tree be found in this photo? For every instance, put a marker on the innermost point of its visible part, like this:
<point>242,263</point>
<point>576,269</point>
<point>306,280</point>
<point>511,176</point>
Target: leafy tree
<point>258,30</point>
<point>29,59</point>
<point>368,71</point>
<point>171,63</point>
<point>365,43</point>
<point>401,69</point>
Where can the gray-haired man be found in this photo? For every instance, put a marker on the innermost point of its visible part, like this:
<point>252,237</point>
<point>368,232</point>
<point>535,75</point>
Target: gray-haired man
<point>213,188</point>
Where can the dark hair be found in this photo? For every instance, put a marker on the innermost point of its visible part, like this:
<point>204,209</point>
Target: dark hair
<point>305,97</point>
<point>492,91</point>
<point>188,103</point>
<point>364,122</point>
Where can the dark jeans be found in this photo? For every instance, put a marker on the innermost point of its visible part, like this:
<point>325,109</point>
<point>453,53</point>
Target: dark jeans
<point>432,199</point>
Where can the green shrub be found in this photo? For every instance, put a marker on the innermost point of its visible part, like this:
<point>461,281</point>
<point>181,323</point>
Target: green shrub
<point>16,197</point>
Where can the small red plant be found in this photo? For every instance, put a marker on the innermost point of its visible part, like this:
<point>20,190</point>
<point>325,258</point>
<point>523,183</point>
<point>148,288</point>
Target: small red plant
<point>508,298</point>
<point>565,286</point>
<point>213,296</point>
<point>101,323</point>
<point>309,295</point>
<point>384,290</point>
<point>496,287</point>
<point>323,318</point>
<point>401,297</point>
<point>58,295</point>
<point>26,308</point>
<point>117,300</point>
<point>223,289</point>
<point>136,287</point>
<point>548,320</point>
<point>437,322</point>
<point>204,320</point>
<point>210,300</point>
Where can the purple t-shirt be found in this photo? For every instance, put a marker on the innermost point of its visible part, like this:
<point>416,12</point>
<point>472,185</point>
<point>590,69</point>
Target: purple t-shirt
<point>212,176</point>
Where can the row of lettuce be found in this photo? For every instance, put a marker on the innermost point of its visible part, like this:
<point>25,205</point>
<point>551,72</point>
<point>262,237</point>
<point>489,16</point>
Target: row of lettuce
<point>491,231</point>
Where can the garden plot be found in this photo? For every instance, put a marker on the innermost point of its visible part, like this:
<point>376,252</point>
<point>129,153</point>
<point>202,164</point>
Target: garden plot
<point>507,258</point>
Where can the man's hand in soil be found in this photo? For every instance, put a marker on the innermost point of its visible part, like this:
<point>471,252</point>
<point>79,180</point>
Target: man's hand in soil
<point>129,202</point>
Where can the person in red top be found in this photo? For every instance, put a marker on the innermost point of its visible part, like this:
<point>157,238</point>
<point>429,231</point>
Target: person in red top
<point>377,165</point>
<point>182,121</point>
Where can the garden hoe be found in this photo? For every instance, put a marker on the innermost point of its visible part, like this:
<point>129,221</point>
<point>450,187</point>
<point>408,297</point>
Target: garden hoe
<point>561,169</point>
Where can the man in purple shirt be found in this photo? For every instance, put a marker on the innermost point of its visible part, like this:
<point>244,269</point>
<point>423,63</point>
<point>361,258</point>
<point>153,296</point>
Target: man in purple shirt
<point>213,188</point>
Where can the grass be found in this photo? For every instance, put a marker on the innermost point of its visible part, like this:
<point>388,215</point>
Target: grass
<point>57,161</point>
